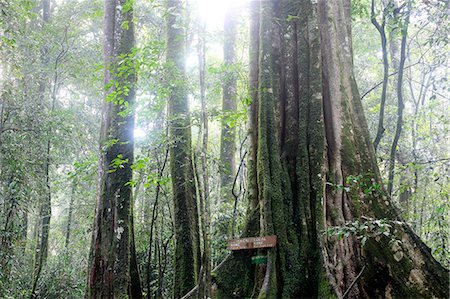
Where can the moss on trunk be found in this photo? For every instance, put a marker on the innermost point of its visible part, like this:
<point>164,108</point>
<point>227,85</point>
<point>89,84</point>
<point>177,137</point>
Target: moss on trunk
<point>187,243</point>
<point>394,266</point>
<point>303,100</point>
<point>109,265</point>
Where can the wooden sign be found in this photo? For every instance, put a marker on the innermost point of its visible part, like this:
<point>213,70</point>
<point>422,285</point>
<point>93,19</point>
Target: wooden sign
<point>251,243</point>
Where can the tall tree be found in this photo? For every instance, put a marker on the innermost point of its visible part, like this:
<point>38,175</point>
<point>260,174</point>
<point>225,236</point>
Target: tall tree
<point>203,179</point>
<point>400,101</point>
<point>336,186</point>
<point>187,244</point>
<point>109,269</point>
<point>381,30</point>
<point>45,209</point>
<point>229,105</point>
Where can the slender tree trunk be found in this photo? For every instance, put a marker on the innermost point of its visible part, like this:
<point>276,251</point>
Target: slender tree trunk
<point>187,245</point>
<point>152,225</point>
<point>400,102</point>
<point>135,287</point>
<point>418,100</point>
<point>41,249</point>
<point>229,282</point>
<point>381,30</point>
<point>205,277</point>
<point>229,105</point>
<point>11,209</point>
<point>109,265</point>
<point>252,124</point>
<point>69,216</point>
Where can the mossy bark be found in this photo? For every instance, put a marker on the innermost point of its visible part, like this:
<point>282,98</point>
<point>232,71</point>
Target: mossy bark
<point>187,248</point>
<point>382,268</point>
<point>311,136</point>
<point>109,266</point>
<point>279,178</point>
<point>235,276</point>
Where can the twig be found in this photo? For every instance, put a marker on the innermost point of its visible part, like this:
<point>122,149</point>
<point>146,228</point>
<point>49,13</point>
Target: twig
<point>233,224</point>
<point>354,282</point>
<point>390,75</point>
<point>433,161</point>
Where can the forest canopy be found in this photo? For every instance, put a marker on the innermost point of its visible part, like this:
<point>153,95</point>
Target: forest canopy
<point>138,138</point>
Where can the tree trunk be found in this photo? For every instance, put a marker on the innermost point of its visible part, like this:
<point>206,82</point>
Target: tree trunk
<point>400,102</point>
<point>336,185</point>
<point>152,224</point>
<point>45,209</point>
<point>229,105</point>
<point>135,287</point>
<point>69,217</point>
<point>234,277</point>
<point>109,265</point>
<point>187,246</point>
<point>205,211</point>
<point>381,30</point>
<point>10,211</point>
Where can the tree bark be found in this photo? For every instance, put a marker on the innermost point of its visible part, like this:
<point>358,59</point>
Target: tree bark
<point>381,30</point>
<point>109,265</point>
<point>229,104</point>
<point>300,209</point>
<point>400,102</point>
<point>135,287</point>
<point>152,225</point>
<point>45,209</point>
<point>69,217</point>
<point>187,244</point>
<point>229,282</point>
<point>10,211</point>
<point>205,210</point>
<point>393,266</point>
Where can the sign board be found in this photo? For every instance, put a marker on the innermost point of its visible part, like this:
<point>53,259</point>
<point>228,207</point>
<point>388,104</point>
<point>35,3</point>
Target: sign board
<point>252,243</point>
<point>259,259</point>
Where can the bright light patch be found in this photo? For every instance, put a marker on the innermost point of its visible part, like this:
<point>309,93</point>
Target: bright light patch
<point>212,12</point>
<point>191,60</point>
<point>139,133</point>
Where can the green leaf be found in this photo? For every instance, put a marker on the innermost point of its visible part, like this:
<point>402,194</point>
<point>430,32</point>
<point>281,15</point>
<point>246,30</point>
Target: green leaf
<point>363,240</point>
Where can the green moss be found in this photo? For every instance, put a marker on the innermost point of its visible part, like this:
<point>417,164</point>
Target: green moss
<point>348,150</point>
<point>325,290</point>
<point>235,277</point>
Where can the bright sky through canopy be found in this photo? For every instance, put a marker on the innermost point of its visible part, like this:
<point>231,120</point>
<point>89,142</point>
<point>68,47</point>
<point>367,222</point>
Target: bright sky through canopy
<point>212,12</point>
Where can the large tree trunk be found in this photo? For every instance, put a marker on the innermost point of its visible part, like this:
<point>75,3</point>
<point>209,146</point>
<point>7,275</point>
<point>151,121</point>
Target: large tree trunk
<point>335,187</point>
<point>109,265</point>
<point>396,265</point>
<point>187,247</point>
<point>233,280</point>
